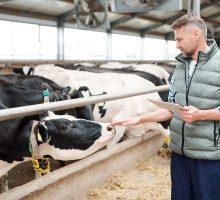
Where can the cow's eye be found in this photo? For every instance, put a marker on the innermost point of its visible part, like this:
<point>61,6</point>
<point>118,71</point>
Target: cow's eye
<point>64,126</point>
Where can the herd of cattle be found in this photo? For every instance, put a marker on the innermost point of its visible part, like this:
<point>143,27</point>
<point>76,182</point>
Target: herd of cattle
<point>78,132</point>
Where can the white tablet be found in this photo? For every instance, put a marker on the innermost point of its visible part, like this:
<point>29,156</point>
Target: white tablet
<point>166,105</point>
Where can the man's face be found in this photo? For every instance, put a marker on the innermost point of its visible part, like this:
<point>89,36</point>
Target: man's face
<point>185,41</point>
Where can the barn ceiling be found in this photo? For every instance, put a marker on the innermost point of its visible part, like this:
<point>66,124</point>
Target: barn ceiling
<point>151,23</point>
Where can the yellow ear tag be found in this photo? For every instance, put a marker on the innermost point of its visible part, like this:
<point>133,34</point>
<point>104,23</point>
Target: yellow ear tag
<point>39,138</point>
<point>99,104</point>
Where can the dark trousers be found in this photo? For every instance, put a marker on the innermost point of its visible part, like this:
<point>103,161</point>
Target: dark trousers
<point>194,179</point>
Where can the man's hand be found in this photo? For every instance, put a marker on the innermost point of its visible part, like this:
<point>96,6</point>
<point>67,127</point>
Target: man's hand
<point>190,114</point>
<point>127,122</point>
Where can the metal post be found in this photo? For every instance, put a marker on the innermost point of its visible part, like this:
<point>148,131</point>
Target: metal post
<point>13,113</point>
<point>194,6</point>
<point>142,49</point>
<point>109,45</point>
<point>60,38</point>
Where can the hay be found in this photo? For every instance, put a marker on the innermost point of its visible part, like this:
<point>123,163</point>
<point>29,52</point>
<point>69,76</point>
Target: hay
<point>149,180</point>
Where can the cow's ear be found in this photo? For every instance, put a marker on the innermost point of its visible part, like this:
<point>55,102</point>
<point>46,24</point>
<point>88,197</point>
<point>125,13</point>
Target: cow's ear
<point>51,114</point>
<point>41,133</point>
<point>43,115</point>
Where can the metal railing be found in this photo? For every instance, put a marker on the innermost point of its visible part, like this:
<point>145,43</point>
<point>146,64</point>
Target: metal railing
<point>23,111</point>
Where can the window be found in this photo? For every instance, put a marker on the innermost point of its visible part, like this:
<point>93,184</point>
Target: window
<point>154,49</point>
<point>84,45</point>
<point>125,47</point>
<point>172,50</point>
<point>27,41</point>
<point>5,40</point>
<point>48,42</point>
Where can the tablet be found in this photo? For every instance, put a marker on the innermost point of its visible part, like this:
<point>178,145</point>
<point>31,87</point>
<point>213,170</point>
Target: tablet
<point>166,105</point>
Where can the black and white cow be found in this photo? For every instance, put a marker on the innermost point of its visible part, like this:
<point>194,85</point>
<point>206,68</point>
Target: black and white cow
<point>38,83</point>
<point>148,76</point>
<point>112,84</point>
<point>61,136</point>
<point>11,96</point>
<point>64,137</point>
<point>155,74</point>
<point>149,68</point>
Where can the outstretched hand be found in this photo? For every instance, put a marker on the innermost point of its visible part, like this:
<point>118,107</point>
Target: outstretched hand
<point>127,122</point>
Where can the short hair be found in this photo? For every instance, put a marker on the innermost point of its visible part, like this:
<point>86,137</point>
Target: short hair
<point>191,18</point>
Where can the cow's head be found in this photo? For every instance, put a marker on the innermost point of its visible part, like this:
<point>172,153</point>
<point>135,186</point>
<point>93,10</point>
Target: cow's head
<point>70,138</point>
<point>84,112</point>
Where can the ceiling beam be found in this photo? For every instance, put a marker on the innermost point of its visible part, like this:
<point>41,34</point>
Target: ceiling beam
<point>213,1</point>
<point>130,17</point>
<point>65,16</point>
<point>154,26</point>
<point>214,15</point>
<point>121,21</point>
<point>22,13</point>
<point>169,36</point>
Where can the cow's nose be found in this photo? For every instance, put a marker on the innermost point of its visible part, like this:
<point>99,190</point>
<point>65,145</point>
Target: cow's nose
<point>110,128</point>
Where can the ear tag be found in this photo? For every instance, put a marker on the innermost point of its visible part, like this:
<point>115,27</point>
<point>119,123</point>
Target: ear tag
<point>39,138</point>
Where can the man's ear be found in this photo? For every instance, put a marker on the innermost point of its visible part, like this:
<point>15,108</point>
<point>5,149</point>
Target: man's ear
<point>196,33</point>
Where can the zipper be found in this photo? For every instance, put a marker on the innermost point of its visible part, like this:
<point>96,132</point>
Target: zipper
<point>216,133</point>
<point>183,135</point>
<point>183,125</point>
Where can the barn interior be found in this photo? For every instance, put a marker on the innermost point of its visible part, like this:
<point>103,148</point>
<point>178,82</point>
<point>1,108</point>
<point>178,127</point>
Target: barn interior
<point>93,35</point>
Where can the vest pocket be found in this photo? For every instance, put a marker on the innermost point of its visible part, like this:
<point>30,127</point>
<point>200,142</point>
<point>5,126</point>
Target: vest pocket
<point>216,133</point>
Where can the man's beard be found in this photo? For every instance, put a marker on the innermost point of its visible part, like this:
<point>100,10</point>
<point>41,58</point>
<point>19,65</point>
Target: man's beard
<point>188,54</point>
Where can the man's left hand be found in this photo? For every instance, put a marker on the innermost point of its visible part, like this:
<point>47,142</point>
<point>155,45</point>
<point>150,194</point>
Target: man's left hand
<point>190,114</point>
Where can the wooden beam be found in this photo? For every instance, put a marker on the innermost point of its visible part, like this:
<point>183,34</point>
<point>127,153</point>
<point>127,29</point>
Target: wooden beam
<point>22,13</point>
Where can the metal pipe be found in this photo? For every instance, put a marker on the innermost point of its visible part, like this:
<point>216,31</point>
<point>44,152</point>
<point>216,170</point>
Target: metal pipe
<point>23,111</point>
<point>194,6</point>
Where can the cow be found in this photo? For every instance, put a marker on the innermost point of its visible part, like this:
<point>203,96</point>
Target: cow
<point>155,70</point>
<point>148,76</point>
<point>149,68</point>
<point>64,137</point>
<point>14,132</point>
<point>11,96</point>
<point>38,83</point>
<point>111,83</point>
<point>116,65</point>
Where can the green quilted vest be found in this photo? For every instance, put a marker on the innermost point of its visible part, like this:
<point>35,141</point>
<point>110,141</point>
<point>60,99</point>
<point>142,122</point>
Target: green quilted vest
<point>199,139</point>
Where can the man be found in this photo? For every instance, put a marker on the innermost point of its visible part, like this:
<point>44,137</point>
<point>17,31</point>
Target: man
<point>195,160</point>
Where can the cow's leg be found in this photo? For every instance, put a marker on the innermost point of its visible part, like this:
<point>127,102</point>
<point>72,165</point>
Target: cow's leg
<point>4,183</point>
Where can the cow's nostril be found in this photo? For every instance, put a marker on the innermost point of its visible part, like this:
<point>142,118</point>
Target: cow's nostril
<point>110,128</point>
